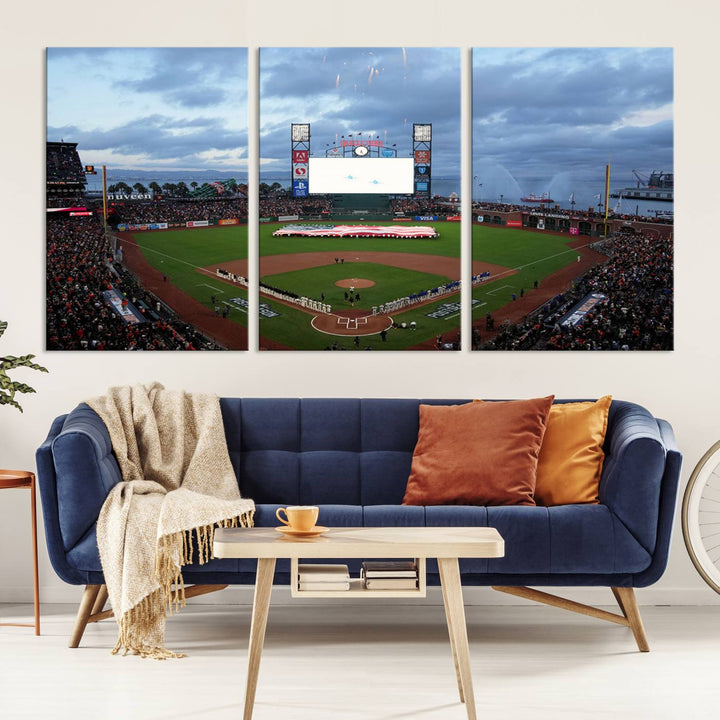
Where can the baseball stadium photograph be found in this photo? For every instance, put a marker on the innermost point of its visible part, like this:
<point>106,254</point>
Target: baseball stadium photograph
<point>359,199</point>
<point>146,197</point>
<point>572,199</point>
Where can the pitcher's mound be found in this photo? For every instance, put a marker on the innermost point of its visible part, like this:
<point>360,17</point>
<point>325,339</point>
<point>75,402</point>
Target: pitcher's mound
<point>354,283</point>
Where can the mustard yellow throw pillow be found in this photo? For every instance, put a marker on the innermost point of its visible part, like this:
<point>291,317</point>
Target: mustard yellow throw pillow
<point>571,456</point>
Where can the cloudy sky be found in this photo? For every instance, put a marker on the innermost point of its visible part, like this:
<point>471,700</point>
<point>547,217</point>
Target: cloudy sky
<point>382,91</point>
<point>549,118</point>
<point>151,108</point>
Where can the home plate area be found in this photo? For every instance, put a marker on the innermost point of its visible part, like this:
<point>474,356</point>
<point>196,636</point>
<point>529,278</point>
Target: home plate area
<point>349,322</point>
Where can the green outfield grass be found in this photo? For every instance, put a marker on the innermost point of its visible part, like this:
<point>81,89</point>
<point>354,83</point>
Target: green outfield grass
<point>177,254</point>
<point>534,255</point>
<point>447,245</point>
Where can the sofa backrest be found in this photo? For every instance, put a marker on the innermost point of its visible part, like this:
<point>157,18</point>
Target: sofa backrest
<point>323,450</point>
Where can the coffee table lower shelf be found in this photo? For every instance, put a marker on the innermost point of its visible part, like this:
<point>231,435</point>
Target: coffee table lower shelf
<point>357,589</point>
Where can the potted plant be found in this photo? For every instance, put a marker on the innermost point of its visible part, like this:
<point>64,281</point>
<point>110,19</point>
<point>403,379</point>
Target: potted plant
<point>8,386</point>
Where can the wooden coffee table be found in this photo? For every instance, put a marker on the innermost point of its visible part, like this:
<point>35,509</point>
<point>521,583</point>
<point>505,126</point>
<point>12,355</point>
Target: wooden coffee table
<point>444,544</point>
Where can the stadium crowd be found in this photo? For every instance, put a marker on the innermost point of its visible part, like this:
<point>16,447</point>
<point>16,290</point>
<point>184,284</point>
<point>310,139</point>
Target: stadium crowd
<point>80,269</point>
<point>423,206</point>
<point>273,205</point>
<point>478,208</point>
<point>63,164</point>
<point>177,211</point>
<point>637,314</point>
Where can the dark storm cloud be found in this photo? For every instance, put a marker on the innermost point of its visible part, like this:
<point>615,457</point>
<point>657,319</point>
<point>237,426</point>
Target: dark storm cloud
<point>155,138</point>
<point>193,77</point>
<point>351,90</point>
<point>541,112</point>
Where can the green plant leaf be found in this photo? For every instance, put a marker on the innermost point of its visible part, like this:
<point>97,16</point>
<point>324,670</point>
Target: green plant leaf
<point>9,387</point>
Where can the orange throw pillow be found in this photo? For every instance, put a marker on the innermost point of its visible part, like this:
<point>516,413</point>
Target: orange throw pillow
<point>477,453</point>
<point>571,457</point>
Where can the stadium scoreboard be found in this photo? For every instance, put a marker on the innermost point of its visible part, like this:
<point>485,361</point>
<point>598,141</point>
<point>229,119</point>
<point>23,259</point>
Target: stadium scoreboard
<point>361,175</point>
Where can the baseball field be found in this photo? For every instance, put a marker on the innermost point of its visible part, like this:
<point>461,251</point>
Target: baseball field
<point>378,270</point>
<point>530,258</point>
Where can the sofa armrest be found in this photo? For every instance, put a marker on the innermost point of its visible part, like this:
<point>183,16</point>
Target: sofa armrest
<point>668,508</point>
<point>85,470</point>
<point>633,471</point>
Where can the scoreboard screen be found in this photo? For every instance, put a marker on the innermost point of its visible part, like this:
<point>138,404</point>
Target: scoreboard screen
<point>387,176</point>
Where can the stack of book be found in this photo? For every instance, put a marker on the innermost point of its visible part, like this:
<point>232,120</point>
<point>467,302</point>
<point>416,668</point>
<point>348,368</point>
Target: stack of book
<point>389,575</point>
<point>323,577</point>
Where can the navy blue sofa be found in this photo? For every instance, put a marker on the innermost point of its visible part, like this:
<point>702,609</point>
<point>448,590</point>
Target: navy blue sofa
<point>352,458</point>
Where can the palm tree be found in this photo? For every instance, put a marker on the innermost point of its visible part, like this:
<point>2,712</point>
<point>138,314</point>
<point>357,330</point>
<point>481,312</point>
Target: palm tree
<point>140,189</point>
<point>155,188</point>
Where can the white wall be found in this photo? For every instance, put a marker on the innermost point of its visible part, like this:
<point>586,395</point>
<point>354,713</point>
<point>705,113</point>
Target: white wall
<point>681,386</point>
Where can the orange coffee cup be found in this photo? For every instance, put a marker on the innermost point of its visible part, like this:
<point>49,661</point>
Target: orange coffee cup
<point>299,517</point>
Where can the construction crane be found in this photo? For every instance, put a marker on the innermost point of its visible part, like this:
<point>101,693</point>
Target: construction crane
<point>642,179</point>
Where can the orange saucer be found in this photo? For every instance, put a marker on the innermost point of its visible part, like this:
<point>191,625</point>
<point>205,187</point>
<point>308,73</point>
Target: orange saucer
<point>312,532</point>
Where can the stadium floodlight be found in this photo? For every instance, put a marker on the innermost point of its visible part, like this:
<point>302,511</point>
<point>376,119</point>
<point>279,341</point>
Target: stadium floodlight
<point>422,133</point>
<point>300,132</point>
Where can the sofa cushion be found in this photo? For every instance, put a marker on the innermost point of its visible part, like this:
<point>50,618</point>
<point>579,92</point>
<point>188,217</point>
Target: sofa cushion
<point>478,453</point>
<point>571,456</point>
<point>567,539</point>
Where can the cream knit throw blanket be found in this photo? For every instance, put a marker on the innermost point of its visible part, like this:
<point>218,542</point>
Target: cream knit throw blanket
<point>177,483</point>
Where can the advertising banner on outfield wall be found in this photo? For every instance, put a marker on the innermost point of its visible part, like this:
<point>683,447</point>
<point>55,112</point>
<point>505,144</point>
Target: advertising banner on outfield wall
<point>284,218</point>
<point>479,218</point>
<point>514,223</point>
<point>228,221</point>
<point>574,231</point>
<point>453,218</point>
<point>197,223</point>
<point>133,227</point>
<point>426,217</point>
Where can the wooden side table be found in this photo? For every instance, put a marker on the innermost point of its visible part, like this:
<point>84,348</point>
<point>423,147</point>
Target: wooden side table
<point>25,479</point>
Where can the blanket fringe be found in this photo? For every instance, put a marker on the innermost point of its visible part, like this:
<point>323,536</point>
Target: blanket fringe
<point>169,574</point>
<point>143,620</point>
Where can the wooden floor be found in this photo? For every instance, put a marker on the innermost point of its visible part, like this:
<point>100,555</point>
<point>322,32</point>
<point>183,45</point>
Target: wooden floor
<point>389,662</point>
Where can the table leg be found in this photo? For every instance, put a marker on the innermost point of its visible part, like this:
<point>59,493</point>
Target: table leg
<point>455,609</point>
<point>261,603</point>
<point>451,633</point>
<point>35,555</point>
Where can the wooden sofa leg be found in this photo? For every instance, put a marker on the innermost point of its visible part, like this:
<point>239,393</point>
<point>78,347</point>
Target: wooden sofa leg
<point>98,613</point>
<point>100,600</point>
<point>84,611</point>
<point>628,604</point>
<point>625,597</point>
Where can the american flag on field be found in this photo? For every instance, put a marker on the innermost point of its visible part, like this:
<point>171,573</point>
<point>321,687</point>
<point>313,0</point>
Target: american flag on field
<point>381,231</point>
